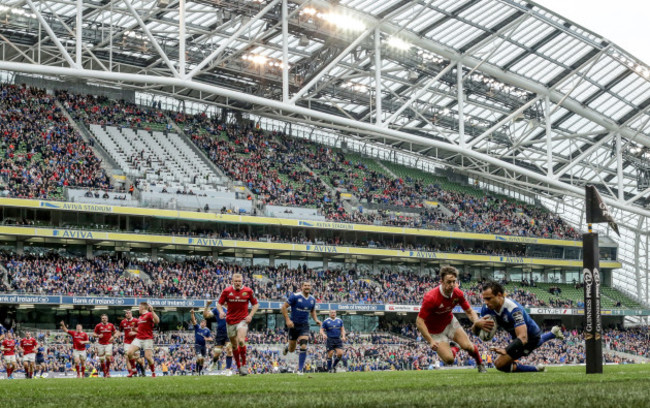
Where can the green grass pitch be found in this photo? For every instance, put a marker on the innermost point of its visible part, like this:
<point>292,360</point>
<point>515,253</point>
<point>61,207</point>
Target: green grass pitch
<point>619,386</point>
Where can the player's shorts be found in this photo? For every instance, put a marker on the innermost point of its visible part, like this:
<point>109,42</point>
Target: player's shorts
<point>40,359</point>
<point>221,339</point>
<point>143,344</point>
<point>234,328</point>
<point>532,345</point>
<point>10,359</point>
<point>333,344</point>
<point>299,330</point>
<point>29,358</point>
<point>104,349</point>
<point>200,350</point>
<point>127,346</point>
<point>79,354</point>
<point>448,333</point>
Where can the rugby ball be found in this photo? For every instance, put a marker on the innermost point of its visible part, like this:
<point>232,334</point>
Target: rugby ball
<point>486,335</point>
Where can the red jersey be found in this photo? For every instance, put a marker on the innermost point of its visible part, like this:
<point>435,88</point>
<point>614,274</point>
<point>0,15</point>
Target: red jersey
<point>77,338</point>
<point>436,308</point>
<point>236,302</point>
<point>28,345</point>
<point>9,347</point>
<point>126,326</point>
<point>145,327</point>
<point>105,332</point>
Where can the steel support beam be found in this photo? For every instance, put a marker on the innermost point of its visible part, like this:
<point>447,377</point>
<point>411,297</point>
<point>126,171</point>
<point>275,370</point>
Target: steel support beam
<point>55,39</point>
<point>214,54</point>
<point>151,38</point>
<point>423,89</point>
<point>461,104</point>
<point>78,36</point>
<point>378,90</point>
<point>285,51</point>
<point>181,38</point>
<point>549,146</point>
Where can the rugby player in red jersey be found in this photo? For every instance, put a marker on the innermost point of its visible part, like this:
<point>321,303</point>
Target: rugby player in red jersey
<point>144,336</point>
<point>439,326</point>
<point>106,333</point>
<point>128,327</point>
<point>79,341</point>
<point>28,345</point>
<point>236,298</point>
<point>9,354</point>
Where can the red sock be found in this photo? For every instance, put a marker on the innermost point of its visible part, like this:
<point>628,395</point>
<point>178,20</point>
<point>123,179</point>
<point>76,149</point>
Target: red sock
<point>454,350</point>
<point>153,369</point>
<point>132,362</point>
<point>83,369</point>
<point>235,353</point>
<point>242,354</point>
<point>9,371</point>
<point>476,355</point>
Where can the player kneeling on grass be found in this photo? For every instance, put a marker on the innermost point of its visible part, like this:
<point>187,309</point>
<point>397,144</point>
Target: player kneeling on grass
<point>439,326</point>
<point>144,337</point>
<point>512,317</point>
<point>79,341</point>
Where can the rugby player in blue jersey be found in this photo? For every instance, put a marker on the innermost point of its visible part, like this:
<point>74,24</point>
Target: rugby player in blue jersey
<point>302,305</point>
<point>221,339</point>
<point>333,329</point>
<point>201,335</point>
<point>512,317</point>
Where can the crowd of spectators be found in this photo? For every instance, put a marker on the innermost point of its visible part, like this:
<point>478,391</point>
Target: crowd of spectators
<point>204,278</point>
<point>41,153</point>
<point>376,351</point>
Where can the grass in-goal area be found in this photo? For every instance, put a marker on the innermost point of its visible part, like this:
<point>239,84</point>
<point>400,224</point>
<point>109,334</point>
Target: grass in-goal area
<point>619,386</point>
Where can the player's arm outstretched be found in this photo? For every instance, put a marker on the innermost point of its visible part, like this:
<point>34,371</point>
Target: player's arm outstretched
<point>192,318</point>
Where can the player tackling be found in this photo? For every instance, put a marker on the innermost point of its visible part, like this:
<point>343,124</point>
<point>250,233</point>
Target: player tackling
<point>439,326</point>
<point>237,297</point>
<point>512,317</point>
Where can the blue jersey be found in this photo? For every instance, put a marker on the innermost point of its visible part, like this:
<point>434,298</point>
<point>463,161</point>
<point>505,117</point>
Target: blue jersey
<point>512,315</point>
<point>221,323</point>
<point>301,306</point>
<point>40,351</point>
<point>333,327</point>
<point>200,334</point>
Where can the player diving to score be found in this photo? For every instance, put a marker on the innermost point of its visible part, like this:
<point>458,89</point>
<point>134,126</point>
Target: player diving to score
<point>439,326</point>
<point>302,304</point>
<point>511,316</point>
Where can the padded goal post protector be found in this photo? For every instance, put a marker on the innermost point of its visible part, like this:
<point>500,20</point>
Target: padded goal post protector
<point>593,323</point>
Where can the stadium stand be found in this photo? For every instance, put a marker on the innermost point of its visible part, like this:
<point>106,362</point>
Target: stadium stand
<point>41,154</point>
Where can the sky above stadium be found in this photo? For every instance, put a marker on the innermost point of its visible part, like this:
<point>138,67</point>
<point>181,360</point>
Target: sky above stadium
<point>625,22</point>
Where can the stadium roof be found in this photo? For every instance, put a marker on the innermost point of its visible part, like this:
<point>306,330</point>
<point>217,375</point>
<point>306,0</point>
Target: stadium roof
<point>501,90</point>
